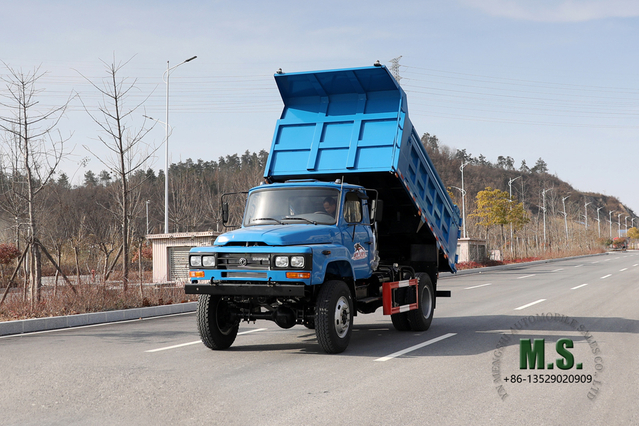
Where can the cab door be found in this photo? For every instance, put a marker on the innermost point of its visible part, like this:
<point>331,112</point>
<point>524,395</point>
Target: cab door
<point>357,236</point>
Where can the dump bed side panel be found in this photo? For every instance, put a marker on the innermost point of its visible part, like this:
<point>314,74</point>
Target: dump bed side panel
<point>336,122</point>
<point>353,123</point>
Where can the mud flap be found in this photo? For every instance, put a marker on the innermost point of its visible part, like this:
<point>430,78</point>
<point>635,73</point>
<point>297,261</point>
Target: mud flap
<point>400,296</point>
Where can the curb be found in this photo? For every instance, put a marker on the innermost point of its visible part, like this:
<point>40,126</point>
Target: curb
<point>51,323</point>
<point>513,265</point>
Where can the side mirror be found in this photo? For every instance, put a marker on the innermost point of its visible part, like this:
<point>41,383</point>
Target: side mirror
<point>377,210</point>
<point>225,213</point>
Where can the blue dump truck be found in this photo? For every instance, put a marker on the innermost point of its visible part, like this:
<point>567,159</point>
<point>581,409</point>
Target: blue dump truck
<point>351,217</point>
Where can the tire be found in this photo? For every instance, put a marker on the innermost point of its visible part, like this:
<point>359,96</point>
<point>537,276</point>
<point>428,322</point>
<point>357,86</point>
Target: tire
<point>334,318</point>
<point>214,322</point>
<point>421,318</point>
<point>400,321</point>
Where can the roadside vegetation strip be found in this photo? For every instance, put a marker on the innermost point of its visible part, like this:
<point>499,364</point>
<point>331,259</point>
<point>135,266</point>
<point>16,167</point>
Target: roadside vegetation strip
<point>198,341</point>
<point>415,347</point>
<point>477,286</point>
<point>530,304</point>
<point>579,286</point>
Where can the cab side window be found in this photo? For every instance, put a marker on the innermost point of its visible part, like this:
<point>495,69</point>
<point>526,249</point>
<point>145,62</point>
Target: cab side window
<point>352,208</point>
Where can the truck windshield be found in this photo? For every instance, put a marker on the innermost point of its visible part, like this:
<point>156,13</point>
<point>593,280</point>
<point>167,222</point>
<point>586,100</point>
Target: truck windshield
<point>288,206</point>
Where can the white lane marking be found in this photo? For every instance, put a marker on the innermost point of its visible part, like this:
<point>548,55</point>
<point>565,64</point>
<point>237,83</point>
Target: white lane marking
<point>174,346</point>
<point>635,264</point>
<point>621,270</point>
<point>608,260</point>
<point>530,304</point>
<point>526,276</point>
<point>606,276</point>
<point>414,348</point>
<point>579,286</point>
<point>557,270</point>
<point>198,341</point>
<point>579,266</point>
<point>477,286</point>
<point>596,261</point>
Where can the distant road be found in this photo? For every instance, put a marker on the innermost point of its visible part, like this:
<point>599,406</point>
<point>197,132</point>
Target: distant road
<point>155,371</point>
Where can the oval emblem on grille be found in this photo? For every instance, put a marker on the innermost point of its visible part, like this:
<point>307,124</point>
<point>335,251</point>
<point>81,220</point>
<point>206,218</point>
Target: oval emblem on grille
<point>242,261</point>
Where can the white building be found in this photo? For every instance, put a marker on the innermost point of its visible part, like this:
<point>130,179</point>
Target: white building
<point>171,254</point>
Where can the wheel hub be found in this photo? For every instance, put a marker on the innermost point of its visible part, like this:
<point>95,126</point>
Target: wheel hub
<point>342,317</point>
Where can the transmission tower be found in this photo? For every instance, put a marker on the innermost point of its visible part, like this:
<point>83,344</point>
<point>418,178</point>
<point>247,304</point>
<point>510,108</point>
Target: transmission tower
<point>394,68</point>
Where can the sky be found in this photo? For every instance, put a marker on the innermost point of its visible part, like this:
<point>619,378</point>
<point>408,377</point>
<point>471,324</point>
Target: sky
<point>555,80</point>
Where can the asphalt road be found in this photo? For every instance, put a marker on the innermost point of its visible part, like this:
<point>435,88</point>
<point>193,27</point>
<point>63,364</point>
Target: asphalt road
<point>156,372</point>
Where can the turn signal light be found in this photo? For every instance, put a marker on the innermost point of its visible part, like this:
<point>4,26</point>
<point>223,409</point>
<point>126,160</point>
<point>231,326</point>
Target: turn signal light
<point>196,274</point>
<point>298,275</point>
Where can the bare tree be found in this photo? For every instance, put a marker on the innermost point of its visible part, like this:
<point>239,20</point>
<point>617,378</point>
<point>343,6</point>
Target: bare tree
<point>128,149</point>
<point>31,154</point>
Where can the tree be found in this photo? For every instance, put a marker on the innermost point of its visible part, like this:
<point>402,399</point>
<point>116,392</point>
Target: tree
<point>34,152</point>
<point>129,152</point>
<point>63,181</point>
<point>540,167</point>
<point>506,163</point>
<point>431,143</point>
<point>633,233</point>
<point>494,207</point>
<point>90,179</point>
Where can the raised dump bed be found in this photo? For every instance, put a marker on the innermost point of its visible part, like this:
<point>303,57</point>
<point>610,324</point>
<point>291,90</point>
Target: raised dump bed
<point>353,124</point>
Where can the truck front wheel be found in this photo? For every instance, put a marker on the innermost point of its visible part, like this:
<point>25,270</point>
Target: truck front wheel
<point>334,318</point>
<point>421,318</point>
<point>215,323</point>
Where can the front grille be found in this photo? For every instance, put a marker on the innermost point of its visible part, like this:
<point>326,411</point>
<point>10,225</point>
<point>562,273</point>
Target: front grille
<point>243,261</point>
<point>246,274</point>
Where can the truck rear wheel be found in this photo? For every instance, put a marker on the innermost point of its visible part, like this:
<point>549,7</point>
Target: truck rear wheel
<point>400,321</point>
<point>217,328</point>
<point>334,318</point>
<point>421,318</point>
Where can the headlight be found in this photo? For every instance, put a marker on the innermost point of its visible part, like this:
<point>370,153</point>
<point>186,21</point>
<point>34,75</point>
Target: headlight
<point>208,260</point>
<point>281,261</point>
<point>195,261</point>
<point>297,261</point>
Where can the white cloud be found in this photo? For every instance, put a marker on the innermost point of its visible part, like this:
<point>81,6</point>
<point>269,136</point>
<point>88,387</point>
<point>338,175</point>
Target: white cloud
<point>557,11</point>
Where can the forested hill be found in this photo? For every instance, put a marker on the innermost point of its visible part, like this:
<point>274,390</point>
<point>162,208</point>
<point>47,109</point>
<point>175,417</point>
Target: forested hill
<point>527,183</point>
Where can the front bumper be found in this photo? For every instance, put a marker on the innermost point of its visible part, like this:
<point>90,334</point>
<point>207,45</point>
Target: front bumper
<point>246,289</point>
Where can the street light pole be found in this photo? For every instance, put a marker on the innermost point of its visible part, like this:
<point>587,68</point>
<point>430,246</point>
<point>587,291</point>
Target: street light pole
<point>619,223</point>
<point>610,222</point>
<point>586,212</point>
<point>166,143</point>
<point>510,192</point>
<point>598,221</point>
<point>463,191</point>
<point>543,196</point>
<point>563,201</point>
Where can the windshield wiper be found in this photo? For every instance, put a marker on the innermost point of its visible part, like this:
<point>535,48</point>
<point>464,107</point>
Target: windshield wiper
<point>265,218</point>
<point>300,218</point>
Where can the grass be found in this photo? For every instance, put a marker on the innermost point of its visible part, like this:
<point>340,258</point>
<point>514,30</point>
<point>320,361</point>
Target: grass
<point>89,298</point>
